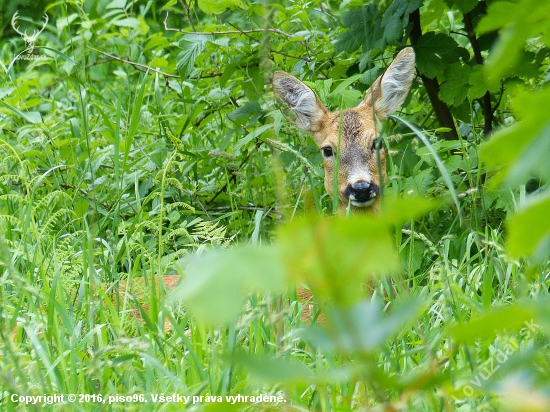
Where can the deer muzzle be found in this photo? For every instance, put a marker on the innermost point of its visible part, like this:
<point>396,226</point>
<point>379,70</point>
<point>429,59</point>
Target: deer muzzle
<point>361,193</point>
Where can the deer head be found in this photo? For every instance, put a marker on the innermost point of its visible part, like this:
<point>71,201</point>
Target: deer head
<point>29,40</point>
<point>358,177</point>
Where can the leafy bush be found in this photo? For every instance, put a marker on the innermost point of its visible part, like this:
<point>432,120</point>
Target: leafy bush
<point>140,141</point>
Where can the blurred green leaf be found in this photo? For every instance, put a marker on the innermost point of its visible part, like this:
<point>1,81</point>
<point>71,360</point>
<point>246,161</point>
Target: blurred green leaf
<point>529,230</point>
<point>278,370</point>
<point>517,21</point>
<point>335,256</point>
<point>365,327</point>
<point>217,283</point>
<point>521,149</point>
<point>486,325</point>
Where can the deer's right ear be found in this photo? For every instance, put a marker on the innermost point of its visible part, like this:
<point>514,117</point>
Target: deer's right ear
<point>303,108</point>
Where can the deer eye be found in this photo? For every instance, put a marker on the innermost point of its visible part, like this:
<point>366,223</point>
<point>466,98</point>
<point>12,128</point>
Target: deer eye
<point>375,144</point>
<point>327,151</point>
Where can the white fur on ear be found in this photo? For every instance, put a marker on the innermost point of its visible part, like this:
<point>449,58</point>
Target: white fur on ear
<point>300,99</point>
<point>395,83</point>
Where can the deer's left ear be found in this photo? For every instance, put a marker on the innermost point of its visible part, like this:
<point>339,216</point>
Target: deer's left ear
<point>389,91</point>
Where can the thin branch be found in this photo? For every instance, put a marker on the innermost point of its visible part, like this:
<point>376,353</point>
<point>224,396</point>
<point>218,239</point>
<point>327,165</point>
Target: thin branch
<point>243,33</point>
<point>198,201</point>
<point>186,8</point>
<point>136,65</point>
<point>233,178</point>
<point>227,32</point>
<point>307,59</point>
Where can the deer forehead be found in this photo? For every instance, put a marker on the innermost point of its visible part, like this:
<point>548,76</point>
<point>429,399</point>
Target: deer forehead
<point>353,128</point>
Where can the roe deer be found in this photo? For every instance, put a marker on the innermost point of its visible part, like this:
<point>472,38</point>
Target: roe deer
<point>354,132</point>
<point>358,177</point>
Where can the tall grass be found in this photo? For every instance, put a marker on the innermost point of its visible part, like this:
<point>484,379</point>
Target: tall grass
<point>111,175</point>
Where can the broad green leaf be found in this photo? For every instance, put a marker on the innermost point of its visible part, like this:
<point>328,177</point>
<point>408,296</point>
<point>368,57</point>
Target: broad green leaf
<point>253,86</point>
<point>344,84</point>
<point>192,45</point>
<point>520,150</point>
<point>395,17</point>
<point>277,370</point>
<point>476,80</point>
<point>62,55</point>
<point>464,6</point>
<point>32,117</point>
<point>168,4</point>
<point>322,89</point>
<point>335,256</point>
<point>127,22</point>
<point>362,23</point>
<point>487,325</point>
<point>529,230</point>
<point>365,327</point>
<point>217,283</point>
<point>517,21</point>
<point>454,89</point>
<point>429,49</point>
<point>219,6</point>
<point>499,15</point>
<point>346,99</point>
<point>116,4</point>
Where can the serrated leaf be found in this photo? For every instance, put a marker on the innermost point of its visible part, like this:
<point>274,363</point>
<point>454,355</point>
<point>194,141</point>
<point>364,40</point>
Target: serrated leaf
<point>362,25</point>
<point>428,50</point>
<point>192,45</point>
<point>519,150</point>
<point>395,18</point>
<point>517,21</point>
<point>455,88</point>
<point>322,88</point>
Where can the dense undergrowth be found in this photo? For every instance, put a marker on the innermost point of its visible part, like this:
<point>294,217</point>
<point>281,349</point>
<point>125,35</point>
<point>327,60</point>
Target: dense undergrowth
<point>143,141</point>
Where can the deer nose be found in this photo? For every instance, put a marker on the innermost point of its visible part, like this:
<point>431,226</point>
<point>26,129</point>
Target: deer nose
<point>363,191</point>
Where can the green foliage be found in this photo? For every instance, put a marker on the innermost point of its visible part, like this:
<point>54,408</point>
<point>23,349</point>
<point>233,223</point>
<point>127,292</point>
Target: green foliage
<point>429,49</point>
<point>139,145</point>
